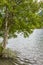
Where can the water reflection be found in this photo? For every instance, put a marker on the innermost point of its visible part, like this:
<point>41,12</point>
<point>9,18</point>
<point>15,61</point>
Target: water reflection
<point>30,49</point>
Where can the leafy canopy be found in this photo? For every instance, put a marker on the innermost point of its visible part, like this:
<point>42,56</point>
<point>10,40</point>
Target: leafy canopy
<point>21,15</point>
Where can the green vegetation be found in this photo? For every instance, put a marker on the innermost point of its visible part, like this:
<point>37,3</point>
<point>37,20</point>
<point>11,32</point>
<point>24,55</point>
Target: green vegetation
<point>19,16</point>
<point>1,49</point>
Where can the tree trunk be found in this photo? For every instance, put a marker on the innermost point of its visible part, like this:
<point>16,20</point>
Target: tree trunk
<point>5,40</point>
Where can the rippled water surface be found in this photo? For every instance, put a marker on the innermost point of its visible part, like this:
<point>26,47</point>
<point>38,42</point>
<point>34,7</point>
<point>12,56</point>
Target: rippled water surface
<point>30,49</point>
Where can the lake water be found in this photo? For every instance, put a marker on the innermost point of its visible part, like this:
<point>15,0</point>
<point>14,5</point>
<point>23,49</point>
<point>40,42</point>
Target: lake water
<point>30,50</point>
